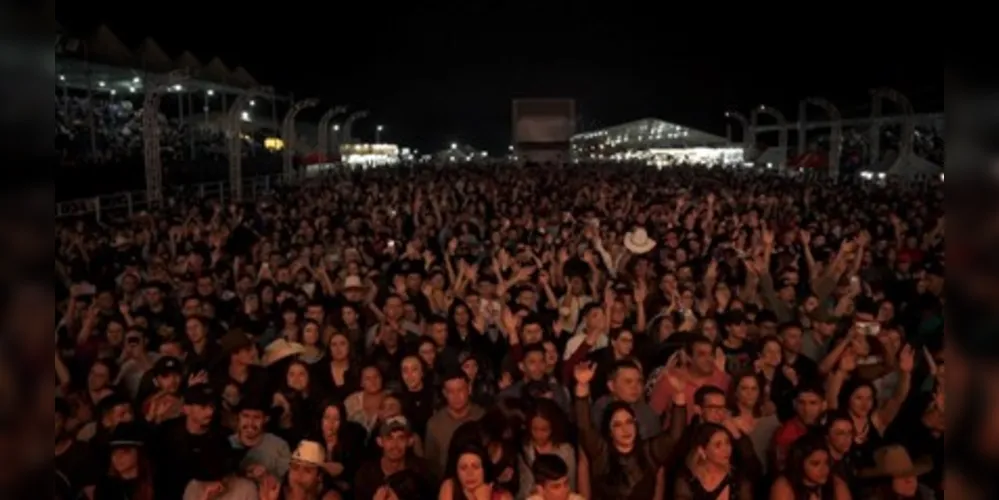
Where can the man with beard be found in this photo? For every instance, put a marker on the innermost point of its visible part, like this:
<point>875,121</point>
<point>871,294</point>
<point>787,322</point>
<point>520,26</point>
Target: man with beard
<point>262,452</point>
<point>395,438</point>
<point>182,441</point>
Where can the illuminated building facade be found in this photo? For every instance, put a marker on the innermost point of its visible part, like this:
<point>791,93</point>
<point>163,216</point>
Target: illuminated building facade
<point>657,141</point>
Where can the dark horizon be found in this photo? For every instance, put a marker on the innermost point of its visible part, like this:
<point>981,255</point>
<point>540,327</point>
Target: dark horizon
<point>432,77</point>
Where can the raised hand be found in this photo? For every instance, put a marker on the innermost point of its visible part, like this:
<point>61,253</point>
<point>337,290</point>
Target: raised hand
<point>790,374</point>
<point>805,237</point>
<point>720,359</point>
<point>640,293</point>
<point>584,373</point>
<point>848,361</point>
<point>907,359</point>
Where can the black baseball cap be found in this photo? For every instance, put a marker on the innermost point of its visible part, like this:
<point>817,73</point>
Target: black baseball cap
<point>167,365</point>
<point>200,395</point>
<point>126,435</point>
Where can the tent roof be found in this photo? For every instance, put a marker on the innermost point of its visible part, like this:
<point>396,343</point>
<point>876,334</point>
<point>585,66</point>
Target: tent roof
<point>242,77</point>
<point>216,71</point>
<point>188,61</point>
<point>152,57</point>
<point>104,46</point>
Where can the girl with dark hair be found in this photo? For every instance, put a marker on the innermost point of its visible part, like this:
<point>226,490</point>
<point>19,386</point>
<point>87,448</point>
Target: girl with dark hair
<point>807,475</point>
<point>494,433</point>
<point>343,442</point>
<point>418,396</point>
<point>312,341</point>
<point>130,476</point>
<point>363,405</point>
<point>859,398</point>
<point>297,399</point>
<point>462,333</point>
<point>344,373</point>
<point>622,466</point>
<point>746,404</point>
<point>545,434</point>
<point>709,473</point>
<point>470,476</point>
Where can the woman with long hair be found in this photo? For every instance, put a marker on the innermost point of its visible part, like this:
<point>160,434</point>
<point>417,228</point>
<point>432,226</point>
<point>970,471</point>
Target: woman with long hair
<point>461,331</point>
<point>344,373</point>
<point>130,476</point>
<point>418,395</point>
<point>621,465</point>
<point>470,476</point>
<point>351,323</point>
<point>363,405</point>
<point>343,444</point>
<point>859,398</point>
<point>709,473</point>
<point>545,434</point>
<point>807,475</point>
<point>298,399</point>
<point>312,341</point>
<point>746,405</point>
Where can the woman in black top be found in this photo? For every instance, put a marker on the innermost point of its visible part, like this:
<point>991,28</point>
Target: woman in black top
<point>709,474</point>
<point>130,475</point>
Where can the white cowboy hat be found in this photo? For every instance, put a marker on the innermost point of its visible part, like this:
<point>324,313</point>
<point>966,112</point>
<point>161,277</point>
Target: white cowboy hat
<point>309,452</point>
<point>281,349</point>
<point>638,241</point>
<point>352,281</point>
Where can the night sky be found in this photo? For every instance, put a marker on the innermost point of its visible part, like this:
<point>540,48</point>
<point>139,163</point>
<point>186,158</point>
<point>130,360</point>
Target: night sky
<point>444,73</point>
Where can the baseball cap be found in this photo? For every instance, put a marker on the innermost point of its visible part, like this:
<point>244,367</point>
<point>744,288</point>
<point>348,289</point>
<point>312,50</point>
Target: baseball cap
<point>392,424</point>
<point>126,435</point>
<point>167,365</point>
<point>200,395</point>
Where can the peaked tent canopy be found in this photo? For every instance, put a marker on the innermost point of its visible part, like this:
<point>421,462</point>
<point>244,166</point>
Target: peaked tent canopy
<point>188,61</point>
<point>152,57</point>
<point>104,46</point>
<point>243,78</point>
<point>216,71</point>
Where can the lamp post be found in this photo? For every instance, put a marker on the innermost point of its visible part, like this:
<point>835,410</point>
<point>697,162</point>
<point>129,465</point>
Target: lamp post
<point>378,134</point>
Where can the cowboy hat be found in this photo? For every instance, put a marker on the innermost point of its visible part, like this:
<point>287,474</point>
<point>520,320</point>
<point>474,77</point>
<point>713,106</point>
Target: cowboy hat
<point>894,461</point>
<point>309,452</point>
<point>352,282</point>
<point>638,241</point>
<point>280,349</point>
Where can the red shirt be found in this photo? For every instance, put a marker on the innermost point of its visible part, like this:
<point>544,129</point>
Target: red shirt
<point>785,436</point>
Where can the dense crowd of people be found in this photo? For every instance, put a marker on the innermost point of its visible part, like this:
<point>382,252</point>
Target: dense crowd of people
<point>504,332</point>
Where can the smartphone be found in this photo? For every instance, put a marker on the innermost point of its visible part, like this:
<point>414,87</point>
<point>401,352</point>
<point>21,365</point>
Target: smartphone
<point>391,243</point>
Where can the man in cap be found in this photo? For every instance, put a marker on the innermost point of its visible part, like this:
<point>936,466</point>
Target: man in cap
<point>214,477</point>
<point>164,404</point>
<point>239,365</point>
<point>182,439</point>
<point>263,452</point>
<point>395,439</point>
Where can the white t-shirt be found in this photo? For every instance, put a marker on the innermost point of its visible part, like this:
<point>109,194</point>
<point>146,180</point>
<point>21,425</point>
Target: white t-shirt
<point>577,340</point>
